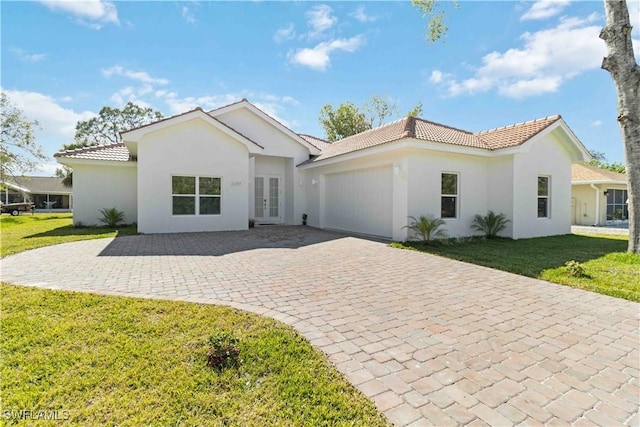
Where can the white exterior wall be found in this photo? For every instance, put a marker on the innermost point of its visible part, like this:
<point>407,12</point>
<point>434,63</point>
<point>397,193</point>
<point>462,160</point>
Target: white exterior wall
<point>104,186</point>
<point>193,148</point>
<point>425,170</point>
<point>280,156</point>
<point>315,184</point>
<point>583,203</point>
<point>543,156</point>
<point>500,190</point>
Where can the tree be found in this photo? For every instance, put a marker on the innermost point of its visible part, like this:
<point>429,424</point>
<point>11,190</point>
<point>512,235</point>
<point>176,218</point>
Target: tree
<point>415,111</point>
<point>599,160</point>
<point>349,120</point>
<point>19,151</point>
<point>66,173</point>
<point>378,109</point>
<point>344,121</point>
<point>106,127</point>
<point>621,63</point>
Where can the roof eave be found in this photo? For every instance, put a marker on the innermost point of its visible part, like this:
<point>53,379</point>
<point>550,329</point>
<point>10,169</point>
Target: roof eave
<point>71,161</point>
<point>132,137</point>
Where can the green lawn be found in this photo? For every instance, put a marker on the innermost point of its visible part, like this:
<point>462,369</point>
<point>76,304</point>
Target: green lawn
<point>20,233</point>
<point>609,269</point>
<point>103,360</point>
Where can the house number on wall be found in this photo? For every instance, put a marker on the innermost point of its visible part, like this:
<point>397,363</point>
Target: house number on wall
<point>236,183</point>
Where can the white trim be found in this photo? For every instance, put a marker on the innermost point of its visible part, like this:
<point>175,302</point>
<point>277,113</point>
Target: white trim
<point>548,196</point>
<point>132,137</point>
<point>196,195</point>
<point>457,195</point>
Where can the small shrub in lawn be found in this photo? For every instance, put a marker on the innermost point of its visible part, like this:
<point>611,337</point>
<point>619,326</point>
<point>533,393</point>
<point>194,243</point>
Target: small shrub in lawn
<point>575,269</point>
<point>223,351</point>
<point>111,216</point>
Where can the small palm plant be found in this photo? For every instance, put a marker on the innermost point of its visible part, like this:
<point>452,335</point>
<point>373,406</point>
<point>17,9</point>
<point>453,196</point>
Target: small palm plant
<point>427,227</point>
<point>491,224</point>
<point>111,216</point>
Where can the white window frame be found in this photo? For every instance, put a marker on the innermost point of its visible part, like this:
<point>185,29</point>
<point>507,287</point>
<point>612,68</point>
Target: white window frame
<point>547,196</point>
<point>456,196</point>
<point>197,195</point>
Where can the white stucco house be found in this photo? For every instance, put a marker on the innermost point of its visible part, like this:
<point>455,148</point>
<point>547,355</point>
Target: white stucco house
<point>216,170</point>
<point>598,196</point>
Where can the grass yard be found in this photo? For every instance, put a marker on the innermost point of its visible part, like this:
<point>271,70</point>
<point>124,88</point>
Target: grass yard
<point>608,269</point>
<point>103,360</point>
<point>24,232</point>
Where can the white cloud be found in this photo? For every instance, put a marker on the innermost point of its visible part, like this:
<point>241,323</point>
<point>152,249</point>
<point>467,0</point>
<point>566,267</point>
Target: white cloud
<point>436,76</point>
<point>188,15</point>
<point>595,124</point>
<point>286,33</point>
<point>271,104</point>
<point>29,57</point>
<point>543,9</point>
<point>361,15</point>
<point>535,86</point>
<point>546,59</point>
<point>93,13</point>
<point>317,58</point>
<point>319,18</point>
<point>141,76</point>
<point>58,124</point>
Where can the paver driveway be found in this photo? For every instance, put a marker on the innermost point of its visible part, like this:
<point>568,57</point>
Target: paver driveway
<point>430,340</point>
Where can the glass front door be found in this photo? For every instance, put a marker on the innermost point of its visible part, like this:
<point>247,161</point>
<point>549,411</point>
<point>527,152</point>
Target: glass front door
<point>267,199</point>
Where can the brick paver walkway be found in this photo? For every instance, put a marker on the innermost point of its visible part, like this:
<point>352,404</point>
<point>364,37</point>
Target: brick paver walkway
<point>430,340</point>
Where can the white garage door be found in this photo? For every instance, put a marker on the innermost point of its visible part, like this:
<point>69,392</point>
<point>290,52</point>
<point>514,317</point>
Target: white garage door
<point>360,201</point>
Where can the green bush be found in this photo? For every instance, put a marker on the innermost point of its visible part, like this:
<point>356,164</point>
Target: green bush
<point>427,227</point>
<point>111,216</point>
<point>490,225</point>
<point>224,350</point>
<point>575,269</point>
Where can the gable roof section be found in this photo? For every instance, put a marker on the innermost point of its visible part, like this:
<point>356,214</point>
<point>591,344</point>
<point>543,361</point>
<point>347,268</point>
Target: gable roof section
<point>319,143</point>
<point>244,103</point>
<point>425,130</point>
<point>111,152</point>
<point>131,137</point>
<point>516,134</point>
<point>38,185</point>
<point>587,174</point>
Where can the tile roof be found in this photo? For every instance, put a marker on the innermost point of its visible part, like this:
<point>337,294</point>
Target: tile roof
<point>319,143</point>
<point>425,130</point>
<point>113,152</point>
<point>587,173</point>
<point>39,184</point>
<point>510,136</point>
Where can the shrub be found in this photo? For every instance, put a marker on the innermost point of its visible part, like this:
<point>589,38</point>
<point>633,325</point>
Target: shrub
<point>427,227</point>
<point>224,350</point>
<point>490,225</point>
<point>111,216</point>
<point>575,269</point>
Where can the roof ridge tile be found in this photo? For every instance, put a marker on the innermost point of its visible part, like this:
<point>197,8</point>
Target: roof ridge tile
<point>528,122</point>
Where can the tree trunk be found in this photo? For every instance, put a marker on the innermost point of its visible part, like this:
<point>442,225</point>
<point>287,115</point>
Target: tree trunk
<point>621,64</point>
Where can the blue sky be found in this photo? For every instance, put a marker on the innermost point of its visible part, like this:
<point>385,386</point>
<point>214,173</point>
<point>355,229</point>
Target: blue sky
<point>502,62</point>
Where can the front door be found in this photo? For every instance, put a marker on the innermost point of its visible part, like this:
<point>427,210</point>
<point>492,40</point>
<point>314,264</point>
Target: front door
<point>267,199</point>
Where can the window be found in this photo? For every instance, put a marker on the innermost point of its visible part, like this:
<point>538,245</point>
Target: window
<point>617,208</point>
<point>449,196</point>
<point>196,195</point>
<point>543,197</point>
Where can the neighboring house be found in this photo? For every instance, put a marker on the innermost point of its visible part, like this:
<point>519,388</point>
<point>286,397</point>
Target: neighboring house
<point>598,196</point>
<point>46,193</point>
<point>210,171</point>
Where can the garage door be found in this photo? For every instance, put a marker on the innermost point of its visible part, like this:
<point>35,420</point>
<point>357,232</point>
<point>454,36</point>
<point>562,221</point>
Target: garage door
<point>360,201</point>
